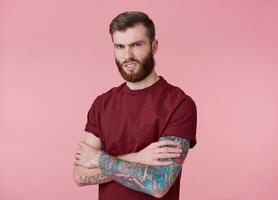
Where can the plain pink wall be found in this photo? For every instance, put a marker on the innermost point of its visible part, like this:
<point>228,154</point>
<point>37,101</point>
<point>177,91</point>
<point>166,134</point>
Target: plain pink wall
<point>56,57</point>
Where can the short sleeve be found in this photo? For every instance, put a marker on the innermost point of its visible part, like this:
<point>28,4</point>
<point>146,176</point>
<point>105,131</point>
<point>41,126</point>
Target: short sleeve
<point>183,121</point>
<point>92,116</point>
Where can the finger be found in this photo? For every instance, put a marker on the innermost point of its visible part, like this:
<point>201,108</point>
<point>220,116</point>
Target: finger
<point>167,155</point>
<point>76,163</point>
<point>168,150</point>
<point>166,142</point>
<point>76,156</point>
<point>78,151</point>
<point>83,144</point>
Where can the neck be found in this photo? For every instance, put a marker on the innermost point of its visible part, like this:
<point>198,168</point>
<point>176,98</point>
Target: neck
<point>148,81</point>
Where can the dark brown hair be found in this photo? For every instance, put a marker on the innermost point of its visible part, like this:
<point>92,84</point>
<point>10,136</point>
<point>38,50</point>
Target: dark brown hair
<point>129,19</point>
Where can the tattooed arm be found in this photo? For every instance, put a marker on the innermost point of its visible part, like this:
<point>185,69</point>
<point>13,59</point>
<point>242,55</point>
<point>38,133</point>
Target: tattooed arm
<point>90,176</point>
<point>91,145</point>
<point>152,180</point>
<point>83,175</point>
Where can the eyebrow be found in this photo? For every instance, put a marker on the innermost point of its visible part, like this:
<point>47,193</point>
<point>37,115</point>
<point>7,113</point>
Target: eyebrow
<point>138,41</point>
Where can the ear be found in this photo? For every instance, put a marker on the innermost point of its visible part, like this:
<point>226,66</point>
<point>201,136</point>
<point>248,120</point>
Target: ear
<point>155,46</point>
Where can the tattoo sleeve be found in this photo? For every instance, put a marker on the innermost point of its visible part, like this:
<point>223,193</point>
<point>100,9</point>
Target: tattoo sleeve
<point>152,180</point>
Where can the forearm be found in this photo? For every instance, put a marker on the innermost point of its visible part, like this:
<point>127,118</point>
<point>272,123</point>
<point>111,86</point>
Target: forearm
<point>131,157</point>
<point>152,180</point>
<point>85,176</point>
<point>149,179</point>
<point>130,171</point>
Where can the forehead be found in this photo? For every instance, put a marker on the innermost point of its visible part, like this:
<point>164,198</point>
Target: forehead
<point>130,35</point>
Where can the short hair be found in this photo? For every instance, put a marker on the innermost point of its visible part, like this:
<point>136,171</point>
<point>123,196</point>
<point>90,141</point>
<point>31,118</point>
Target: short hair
<point>128,19</point>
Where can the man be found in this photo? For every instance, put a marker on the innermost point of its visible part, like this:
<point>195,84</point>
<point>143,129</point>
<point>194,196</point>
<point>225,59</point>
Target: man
<point>139,133</point>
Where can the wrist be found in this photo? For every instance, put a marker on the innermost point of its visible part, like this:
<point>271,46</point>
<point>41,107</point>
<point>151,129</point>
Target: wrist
<point>136,157</point>
<point>131,157</point>
<point>96,159</point>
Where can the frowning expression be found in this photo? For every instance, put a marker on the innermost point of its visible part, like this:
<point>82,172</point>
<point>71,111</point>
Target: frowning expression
<point>134,53</point>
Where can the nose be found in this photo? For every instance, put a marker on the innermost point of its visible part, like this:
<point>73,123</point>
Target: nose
<point>128,53</point>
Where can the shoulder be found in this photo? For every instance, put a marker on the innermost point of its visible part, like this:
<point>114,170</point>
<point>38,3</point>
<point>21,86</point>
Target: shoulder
<point>109,94</point>
<point>178,96</point>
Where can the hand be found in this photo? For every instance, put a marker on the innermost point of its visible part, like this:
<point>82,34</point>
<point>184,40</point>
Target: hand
<point>86,156</point>
<point>155,151</point>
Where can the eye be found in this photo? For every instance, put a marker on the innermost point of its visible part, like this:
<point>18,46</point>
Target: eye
<point>137,44</point>
<point>118,46</point>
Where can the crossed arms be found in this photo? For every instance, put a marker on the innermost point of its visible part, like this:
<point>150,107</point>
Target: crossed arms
<point>153,170</point>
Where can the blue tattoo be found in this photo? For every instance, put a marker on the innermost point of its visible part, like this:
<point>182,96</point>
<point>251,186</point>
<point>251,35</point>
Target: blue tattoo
<point>152,180</point>
<point>185,144</point>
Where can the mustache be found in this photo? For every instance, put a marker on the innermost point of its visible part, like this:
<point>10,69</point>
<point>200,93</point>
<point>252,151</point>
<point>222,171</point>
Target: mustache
<point>130,60</point>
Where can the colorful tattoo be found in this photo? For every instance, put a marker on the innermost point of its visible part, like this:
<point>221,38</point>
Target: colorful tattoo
<point>152,180</point>
<point>185,144</point>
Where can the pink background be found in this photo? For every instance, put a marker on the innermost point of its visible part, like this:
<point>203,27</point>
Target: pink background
<point>57,56</point>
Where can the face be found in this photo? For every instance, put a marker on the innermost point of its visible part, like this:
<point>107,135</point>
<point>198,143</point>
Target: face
<point>134,53</point>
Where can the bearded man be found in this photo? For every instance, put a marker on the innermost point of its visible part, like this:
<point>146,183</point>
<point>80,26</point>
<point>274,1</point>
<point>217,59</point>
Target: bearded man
<point>137,134</point>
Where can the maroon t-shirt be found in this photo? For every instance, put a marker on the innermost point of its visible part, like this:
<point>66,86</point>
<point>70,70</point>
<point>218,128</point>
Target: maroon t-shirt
<point>128,120</point>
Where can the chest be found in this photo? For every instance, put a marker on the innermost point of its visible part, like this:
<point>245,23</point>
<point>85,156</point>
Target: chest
<point>129,126</point>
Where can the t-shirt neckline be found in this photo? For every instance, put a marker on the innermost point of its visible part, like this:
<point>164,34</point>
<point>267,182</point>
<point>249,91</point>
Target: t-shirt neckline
<point>160,81</point>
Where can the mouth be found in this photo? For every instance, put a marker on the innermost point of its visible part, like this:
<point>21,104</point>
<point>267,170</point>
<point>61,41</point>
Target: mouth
<point>130,65</point>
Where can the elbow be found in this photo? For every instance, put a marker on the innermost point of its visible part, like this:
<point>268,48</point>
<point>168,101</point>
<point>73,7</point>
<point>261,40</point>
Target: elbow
<point>78,179</point>
<point>81,176</point>
<point>159,194</point>
<point>78,183</point>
